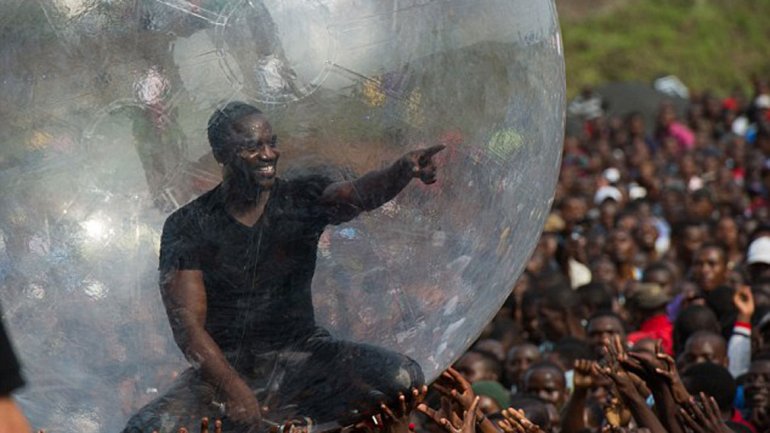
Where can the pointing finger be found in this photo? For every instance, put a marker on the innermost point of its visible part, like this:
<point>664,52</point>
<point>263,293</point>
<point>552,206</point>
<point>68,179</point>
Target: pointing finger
<point>428,153</point>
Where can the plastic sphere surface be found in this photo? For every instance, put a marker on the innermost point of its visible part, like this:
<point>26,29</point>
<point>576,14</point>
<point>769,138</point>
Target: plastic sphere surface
<point>104,114</point>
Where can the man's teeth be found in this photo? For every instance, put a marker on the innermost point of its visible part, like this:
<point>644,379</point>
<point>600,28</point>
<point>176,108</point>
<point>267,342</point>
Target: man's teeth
<point>266,170</point>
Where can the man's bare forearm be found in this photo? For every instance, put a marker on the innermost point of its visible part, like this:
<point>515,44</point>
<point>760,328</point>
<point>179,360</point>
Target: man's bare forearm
<point>643,415</point>
<point>203,352</point>
<point>371,190</point>
<point>572,416</point>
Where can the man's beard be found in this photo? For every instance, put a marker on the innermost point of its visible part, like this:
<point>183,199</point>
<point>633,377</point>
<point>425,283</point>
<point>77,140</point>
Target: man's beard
<point>243,184</point>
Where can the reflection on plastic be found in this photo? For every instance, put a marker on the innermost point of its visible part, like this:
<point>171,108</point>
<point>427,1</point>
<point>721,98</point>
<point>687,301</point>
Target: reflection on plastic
<point>104,113</point>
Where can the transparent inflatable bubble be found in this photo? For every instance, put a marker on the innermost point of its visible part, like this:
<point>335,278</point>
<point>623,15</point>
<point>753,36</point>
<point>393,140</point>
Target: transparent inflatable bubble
<point>104,114</point>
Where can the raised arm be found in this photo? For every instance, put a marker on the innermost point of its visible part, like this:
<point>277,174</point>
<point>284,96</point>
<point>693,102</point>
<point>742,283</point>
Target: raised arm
<point>377,187</point>
<point>184,296</point>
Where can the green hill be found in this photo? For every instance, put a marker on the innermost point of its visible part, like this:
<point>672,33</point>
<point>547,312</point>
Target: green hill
<point>708,44</point>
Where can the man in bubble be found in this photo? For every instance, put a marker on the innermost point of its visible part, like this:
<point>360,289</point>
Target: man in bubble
<point>236,266</point>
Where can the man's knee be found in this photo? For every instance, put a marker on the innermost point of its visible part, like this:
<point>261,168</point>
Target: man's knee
<point>410,374</point>
<point>401,375</point>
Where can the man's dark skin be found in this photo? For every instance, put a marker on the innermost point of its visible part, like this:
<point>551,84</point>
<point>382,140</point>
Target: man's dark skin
<point>547,383</point>
<point>249,175</point>
<point>709,268</point>
<point>757,388</point>
<point>519,358</point>
<point>602,329</point>
<point>704,346</point>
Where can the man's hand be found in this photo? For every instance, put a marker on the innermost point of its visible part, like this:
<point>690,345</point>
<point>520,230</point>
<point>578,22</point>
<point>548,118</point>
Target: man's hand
<point>662,366</point>
<point>744,303</point>
<point>421,164</point>
<point>467,424</point>
<point>585,370</point>
<point>515,421</point>
<point>452,384</point>
<point>703,420</point>
<point>396,420</point>
<point>242,405</point>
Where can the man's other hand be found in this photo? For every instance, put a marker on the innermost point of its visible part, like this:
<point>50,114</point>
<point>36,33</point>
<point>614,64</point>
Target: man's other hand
<point>242,405</point>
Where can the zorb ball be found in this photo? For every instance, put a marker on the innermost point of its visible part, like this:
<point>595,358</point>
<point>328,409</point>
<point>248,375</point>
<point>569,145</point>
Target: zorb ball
<point>103,135</point>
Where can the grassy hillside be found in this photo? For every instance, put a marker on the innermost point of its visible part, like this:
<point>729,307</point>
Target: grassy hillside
<point>709,44</point>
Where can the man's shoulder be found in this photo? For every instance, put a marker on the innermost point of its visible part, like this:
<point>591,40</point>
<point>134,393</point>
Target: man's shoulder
<point>310,181</point>
<point>194,211</point>
<point>307,181</point>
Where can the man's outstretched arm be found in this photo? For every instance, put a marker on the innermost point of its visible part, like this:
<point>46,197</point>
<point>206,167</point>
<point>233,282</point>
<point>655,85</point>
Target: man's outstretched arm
<point>184,296</point>
<point>377,187</point>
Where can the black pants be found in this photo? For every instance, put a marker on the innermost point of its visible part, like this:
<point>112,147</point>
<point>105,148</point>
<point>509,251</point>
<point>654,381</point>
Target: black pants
<point>332,382</point>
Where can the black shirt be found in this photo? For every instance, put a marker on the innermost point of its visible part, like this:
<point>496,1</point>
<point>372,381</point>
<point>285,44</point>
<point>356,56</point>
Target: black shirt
<point>257,278</point>
<point>10,374</point>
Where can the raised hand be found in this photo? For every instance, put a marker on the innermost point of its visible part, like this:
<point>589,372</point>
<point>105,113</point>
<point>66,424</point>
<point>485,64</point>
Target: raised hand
<point>454,385</point>
<point>397,421</point>
<point>744,303</point>
<point>705,420</point>
<point>585,371</point>
<point>445,411</point>
<point>515,421</point>
<point>616,356</point>
<point>663,367</point>
<point>421,163</point>
<point>468,422</point>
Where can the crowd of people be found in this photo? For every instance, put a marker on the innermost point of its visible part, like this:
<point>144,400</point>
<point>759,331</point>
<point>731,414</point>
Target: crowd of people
<point>646,304</point>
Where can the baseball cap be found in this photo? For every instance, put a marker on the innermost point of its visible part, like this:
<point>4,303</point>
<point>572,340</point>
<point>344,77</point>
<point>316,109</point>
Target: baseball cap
<point>759,251</point>
<point>648,296</point>
<point>612,175</point>
<point>607,192</point>
<point>762,101</point>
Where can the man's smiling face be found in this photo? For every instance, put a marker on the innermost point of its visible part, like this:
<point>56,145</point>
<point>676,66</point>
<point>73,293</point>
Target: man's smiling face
<point>255,154</point>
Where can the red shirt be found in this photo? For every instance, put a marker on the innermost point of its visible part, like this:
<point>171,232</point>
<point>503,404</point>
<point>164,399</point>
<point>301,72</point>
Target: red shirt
<point>657,327</point>
<point>739,419</point>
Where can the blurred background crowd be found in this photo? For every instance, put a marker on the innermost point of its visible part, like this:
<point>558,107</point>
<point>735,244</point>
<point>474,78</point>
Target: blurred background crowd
<point>659,239</point>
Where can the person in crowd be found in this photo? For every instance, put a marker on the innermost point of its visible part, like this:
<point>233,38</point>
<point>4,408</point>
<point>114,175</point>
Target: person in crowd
<point>703,346</point>
<point>559,314</point>
<point>517,361</point>
<point>546,381</point>
<point>709,267</point>
<point>692,319</point>
<point>602,327</point>
<point>757,391</point>
<point>714,380</point>
<point>647,307</point>
<point>479,366</point>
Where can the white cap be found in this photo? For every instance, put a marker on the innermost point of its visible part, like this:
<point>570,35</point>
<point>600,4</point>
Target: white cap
<point>759,251</point>
<point>762,101</point>
<point>636,191</point>
<point>612,175</point>
<point>607,192</point>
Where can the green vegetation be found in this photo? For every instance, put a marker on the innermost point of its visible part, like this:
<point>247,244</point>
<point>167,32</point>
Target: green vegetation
<point>708,44</point>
